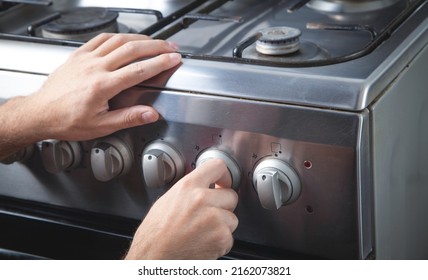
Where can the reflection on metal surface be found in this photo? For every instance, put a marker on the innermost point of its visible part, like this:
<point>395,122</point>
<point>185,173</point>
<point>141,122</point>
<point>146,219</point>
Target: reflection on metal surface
<point>350,6</point>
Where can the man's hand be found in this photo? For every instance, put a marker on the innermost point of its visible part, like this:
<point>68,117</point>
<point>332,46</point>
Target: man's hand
<point>73,102</point>
<point>191,220</point>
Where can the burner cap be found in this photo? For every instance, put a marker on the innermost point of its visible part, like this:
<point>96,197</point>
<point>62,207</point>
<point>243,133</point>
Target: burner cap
<point>81,21</point>
<point>278,40</point>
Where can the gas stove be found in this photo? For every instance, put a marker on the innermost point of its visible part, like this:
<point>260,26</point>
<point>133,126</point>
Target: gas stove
<point>327,94</point>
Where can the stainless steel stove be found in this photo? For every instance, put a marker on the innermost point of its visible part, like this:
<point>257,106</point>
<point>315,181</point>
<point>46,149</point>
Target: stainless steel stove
<point>318,107</point>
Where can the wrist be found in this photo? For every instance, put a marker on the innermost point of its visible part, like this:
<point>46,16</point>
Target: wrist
<point>19,122</point>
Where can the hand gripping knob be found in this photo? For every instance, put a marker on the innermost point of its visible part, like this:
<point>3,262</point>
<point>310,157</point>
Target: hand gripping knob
<point>232,166</point>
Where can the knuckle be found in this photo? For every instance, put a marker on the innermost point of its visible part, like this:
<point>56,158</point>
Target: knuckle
<point>130,119</point>
<point>104,36</point>
<point>95,86</point>
<point>213,215</point>
<point>235,197</point>
<point>165,60</point>
<point>145,37</point>
<point>118,39</point>
<point>138,69</point>
<point>199,199</point>
<point>130,47</point>
<point>162,44</point>
<point>186,182</point>
<point>89,69</point>
<point>190,182</point>
<point>224,240</point>
<point>235,222</point>
<point>75,53</point>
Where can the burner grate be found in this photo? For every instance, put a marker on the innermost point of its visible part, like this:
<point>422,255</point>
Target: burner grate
<point>33,33</point>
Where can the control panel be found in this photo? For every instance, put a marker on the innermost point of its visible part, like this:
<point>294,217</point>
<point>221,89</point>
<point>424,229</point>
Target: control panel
<point>162,164</point>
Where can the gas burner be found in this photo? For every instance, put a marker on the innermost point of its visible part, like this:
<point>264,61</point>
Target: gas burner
<point>278,40</point>
<point>308,51</point>
<point>81,24</point>
<point>350,6</point>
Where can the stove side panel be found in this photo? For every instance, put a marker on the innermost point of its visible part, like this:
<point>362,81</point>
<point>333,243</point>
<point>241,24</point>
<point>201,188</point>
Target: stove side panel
<point>400,150</point>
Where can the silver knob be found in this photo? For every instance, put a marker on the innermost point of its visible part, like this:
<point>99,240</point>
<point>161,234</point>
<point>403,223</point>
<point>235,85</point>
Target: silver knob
<point>110,158</point>
<point>232,166</point>
<point>59,155</point>
<point>277,184</point>
<point>162,164</point>
<point>20,156</point>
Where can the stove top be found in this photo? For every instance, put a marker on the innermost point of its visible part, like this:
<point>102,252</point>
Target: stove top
<point>326,37</point>
<point>329,31</point>
<point>318,40</point>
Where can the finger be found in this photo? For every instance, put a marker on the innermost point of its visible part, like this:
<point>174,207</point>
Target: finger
<point>96,42</point>
<point>212,171</point>
<point>231,220</point>
<point>138,72</point>
<point>223,198</point>
<point>117,41</point>
<point>127,117</point>
<point>133,50</point>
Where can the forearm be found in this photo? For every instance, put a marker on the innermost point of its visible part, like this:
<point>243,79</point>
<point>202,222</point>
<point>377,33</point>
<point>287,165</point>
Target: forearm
<point>18,126</point>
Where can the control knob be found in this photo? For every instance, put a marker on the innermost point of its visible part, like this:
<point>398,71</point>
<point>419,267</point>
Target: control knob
<point>110,157</point>
<point>20,156</point>
<point>60,155</point>
<point>162,164</point>
<point>277,184</point>
<point>232,166</point>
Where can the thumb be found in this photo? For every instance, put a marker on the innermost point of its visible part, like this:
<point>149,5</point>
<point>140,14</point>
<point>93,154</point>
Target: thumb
<point>129,117</point>
<point>213,171</point>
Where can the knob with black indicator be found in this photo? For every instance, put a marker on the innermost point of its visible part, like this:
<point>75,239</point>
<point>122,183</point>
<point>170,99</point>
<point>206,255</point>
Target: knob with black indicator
<point>162,164</point>
<point>60,155</point>
<point>277,184</point>
<point>110,158</point>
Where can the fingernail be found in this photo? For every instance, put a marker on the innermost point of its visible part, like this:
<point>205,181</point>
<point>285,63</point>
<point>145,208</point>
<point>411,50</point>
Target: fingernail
<point>175,57</point>
<point>148,117</point>
<point>174,46</point>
